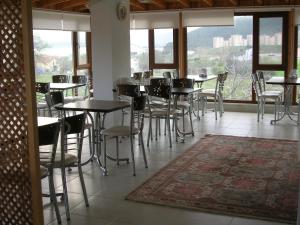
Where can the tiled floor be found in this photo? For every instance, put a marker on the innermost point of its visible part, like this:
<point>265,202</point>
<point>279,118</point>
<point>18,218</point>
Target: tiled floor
<point>106,194</point>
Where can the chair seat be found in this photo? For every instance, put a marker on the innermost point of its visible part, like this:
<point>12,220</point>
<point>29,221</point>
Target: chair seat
<point>42,105</point>
<point>207,93</point>
<point>183,104</point>
<point>271,94</point>
<point>163,113</point>
<point>69,160</point>
<point>44,171</point>
<point>119,131</point>
<point>69,99</point>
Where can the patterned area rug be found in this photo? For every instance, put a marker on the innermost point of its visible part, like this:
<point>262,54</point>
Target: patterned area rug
<point>241,176</point>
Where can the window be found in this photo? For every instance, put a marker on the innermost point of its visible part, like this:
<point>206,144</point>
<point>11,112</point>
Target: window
<point>82,48</point>
<point>52,55</point>
<point>270,40</point>
<point>221,48</point>
<point>163,46</point>
<point>139,50</point>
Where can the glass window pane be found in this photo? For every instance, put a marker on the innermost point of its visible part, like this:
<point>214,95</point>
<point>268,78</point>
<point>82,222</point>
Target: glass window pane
<point>139,50</point>
<point>82,60</point>
<point>163,46</point>
<point>223,48</point>
<point>52,55</point>
<point>270,40</point>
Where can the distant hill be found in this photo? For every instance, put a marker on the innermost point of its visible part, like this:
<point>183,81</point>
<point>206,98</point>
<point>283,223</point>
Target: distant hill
<point>203,37</point>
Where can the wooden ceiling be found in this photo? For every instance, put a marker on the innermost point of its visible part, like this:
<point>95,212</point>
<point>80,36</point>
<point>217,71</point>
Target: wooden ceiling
<point>137,5</point>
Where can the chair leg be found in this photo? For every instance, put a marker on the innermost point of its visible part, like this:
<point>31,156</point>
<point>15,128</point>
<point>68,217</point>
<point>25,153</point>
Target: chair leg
<point>143,149</point>
<point>149,130</point>
<point>183,122</point>
<point>169,129</point>
<point>90,141</point>
<point>53,197</point>
<point>156,127</point>
<point>258,110</point>
<point>216,110</point>
<point>83,186</point>
<point>65,190</point>
<point>191,122</point>
<point>117,150</point>
<point>104,155</point>
<point>132,154</point>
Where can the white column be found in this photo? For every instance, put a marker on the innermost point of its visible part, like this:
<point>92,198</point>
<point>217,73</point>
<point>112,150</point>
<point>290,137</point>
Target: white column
<point>110,46</point>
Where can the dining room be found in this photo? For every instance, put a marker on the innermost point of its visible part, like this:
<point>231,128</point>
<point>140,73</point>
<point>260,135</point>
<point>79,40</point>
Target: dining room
<point>149,112</point>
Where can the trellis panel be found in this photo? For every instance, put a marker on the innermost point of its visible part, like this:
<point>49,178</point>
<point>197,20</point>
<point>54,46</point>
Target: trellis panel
<point>20,191</point>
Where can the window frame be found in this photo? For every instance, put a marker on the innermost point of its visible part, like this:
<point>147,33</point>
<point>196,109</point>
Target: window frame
<point>152,64</point>
<point>76,54</point>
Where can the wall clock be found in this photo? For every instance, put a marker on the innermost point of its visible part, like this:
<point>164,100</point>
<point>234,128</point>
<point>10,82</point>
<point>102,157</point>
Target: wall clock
<point>122,11</point>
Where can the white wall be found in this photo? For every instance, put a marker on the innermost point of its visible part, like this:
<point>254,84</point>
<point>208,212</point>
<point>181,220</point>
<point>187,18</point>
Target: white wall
<point>110,46</point>
<point>110,50</point>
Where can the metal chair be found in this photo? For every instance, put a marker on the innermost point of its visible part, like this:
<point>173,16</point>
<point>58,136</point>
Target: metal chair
<point>262,96</point>
<point>185,104</point>
<point>72,129</point>
<point>136,126</point>
<point>79,79</point>
<point>48,135</point>
<point>159,111</point>
<point>60,79</point>
<point>41,89</point>
<point>216,94</point>
<point>167,75</point>
<point>148,74</point>
<point>53,99</point>
<point>137,76</point>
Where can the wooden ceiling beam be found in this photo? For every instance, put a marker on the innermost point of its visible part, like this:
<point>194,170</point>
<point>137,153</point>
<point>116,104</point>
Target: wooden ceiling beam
<point>209,3</point>
<point>184,3</point>
<point>159,3</point>
<point>136,4</point>
<point>49,3</point>
<point>234,2</point>
<point>71,4</point>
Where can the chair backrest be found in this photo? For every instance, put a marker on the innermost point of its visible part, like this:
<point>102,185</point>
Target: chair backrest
<point>60,79</point>
<point>148,74</point>
<point>42,88</point>
<point>79,79</point>
<point>221,82</point>
<point>183,83</point>
<point>167,75</point>
<point>130,90</point>
<point>48,135</point>
<point>74,126</point>
<point>137,75</point>
<point>159,81</point>
<point>256,85</point>
<point>138,105</point>
<point>261,80</point>
<point>160,91</point>
<point>54,98</point>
